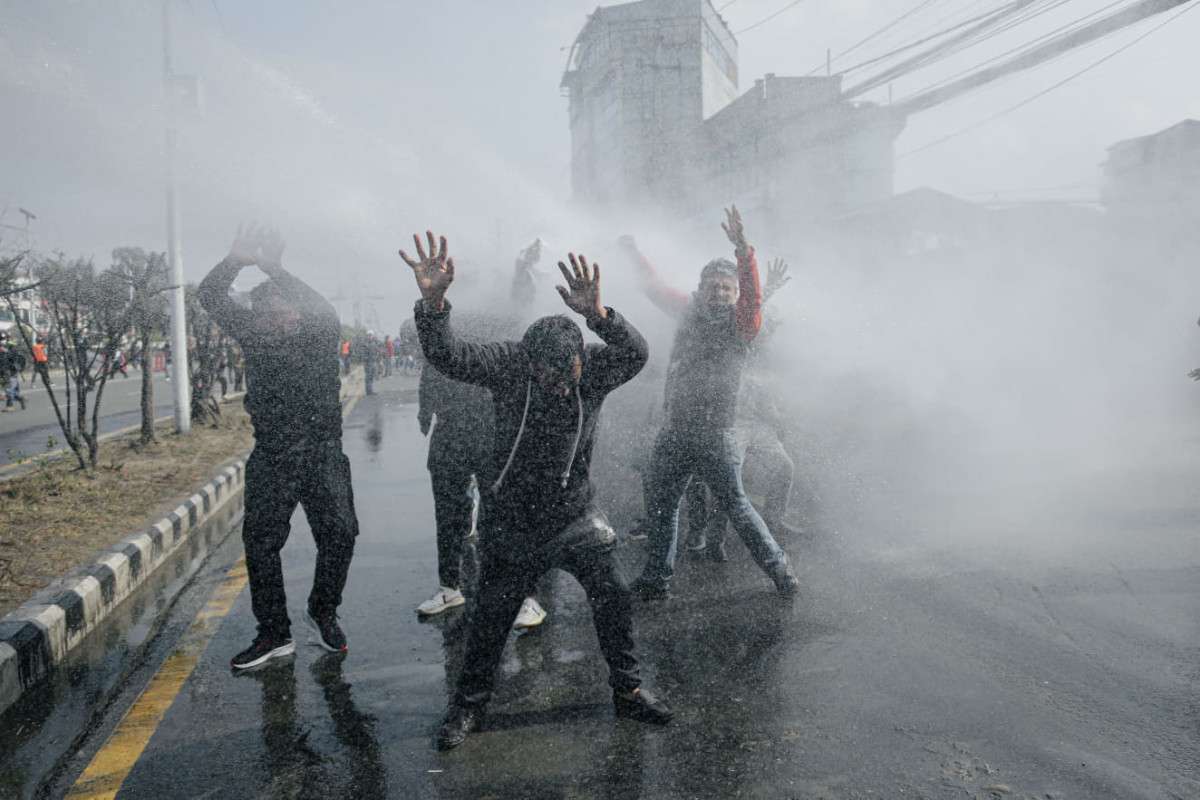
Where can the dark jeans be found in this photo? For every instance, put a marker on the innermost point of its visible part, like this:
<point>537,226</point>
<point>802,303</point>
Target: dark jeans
<point>503,585</point>
<point>714,458</point>
<point>452,507</point>
<point>316,477</point>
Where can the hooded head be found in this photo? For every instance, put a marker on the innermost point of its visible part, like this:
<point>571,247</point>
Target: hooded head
<point>554,346</point>
<point>719,284</point>
<point>274,314</point>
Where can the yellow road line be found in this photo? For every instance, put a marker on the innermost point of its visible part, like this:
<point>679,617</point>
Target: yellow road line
<point>115,760</point>
<point>117,756</point>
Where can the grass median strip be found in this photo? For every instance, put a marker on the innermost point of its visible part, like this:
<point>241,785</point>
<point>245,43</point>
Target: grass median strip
<point>57,517</point>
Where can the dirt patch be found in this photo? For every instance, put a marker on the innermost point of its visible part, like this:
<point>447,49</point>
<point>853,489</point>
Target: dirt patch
<point>57,518</point>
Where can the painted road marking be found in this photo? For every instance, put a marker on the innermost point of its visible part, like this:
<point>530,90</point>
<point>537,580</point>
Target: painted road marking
<point>117,756</point>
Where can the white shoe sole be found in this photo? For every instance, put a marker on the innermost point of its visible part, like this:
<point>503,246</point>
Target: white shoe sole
<point>317,638</point>
<point>423,612</point>
<point>278,652</point>
<point>527,624</point>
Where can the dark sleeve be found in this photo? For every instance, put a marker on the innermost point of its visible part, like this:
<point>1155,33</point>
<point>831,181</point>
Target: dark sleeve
<point>426,395</point>
<point>214,298</point>
<point>480,364</point>
<point>621,358</point>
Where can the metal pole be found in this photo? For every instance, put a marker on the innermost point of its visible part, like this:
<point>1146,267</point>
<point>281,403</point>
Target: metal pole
<point>179,349</point>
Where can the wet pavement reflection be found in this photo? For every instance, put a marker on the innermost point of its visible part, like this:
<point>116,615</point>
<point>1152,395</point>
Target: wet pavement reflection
<point>892,675</point>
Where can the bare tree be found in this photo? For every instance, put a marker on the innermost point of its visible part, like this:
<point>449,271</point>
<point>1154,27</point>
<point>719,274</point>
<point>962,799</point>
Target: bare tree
<point>207,345</point>
<point>89,314</point>
<point>146,277</point>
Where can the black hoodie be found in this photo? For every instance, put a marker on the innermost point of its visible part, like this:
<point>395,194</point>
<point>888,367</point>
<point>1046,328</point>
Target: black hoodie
<point>292,381</point>
<point>543,446</point>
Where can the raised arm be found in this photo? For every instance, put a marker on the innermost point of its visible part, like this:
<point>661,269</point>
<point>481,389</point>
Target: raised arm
<point>463,361</point>
<point>667,298</point>
<point>214,289</point>
<point>748,311</point>
<point>307,300</point>
<point>625,351</point>
<point>523,287</point>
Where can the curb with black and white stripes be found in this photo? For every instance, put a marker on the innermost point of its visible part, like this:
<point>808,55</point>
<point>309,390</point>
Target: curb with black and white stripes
<point>39,634</point>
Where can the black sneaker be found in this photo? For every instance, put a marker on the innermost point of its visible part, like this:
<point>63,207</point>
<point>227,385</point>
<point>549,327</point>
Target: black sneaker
<point>641,706</point>
<point>265,648</point>
<point>650,589</point>
<point>460,721</point>
<point>329,632</point>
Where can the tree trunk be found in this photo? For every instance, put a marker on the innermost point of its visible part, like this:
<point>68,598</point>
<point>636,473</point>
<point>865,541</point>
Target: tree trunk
<point>147,391</point>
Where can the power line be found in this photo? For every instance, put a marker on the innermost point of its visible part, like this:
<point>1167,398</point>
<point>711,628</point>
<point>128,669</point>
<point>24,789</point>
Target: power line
<point>877,33</point>
<point>769,18</point>
<point>1048,89</point>
<point>1063,30</point>
<point>918,42</point>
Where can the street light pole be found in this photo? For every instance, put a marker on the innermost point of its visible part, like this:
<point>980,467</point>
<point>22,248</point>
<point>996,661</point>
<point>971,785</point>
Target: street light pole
<point>181,384</point>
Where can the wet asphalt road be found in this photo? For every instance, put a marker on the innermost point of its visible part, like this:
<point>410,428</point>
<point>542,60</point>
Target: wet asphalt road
<point>28,432</point>
<point>906,668</point>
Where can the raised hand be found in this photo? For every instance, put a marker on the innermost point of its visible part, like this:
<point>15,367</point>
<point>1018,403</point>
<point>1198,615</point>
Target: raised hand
<point>434,272</point>
<point>734,230</point>
<point>583,296</point>
<point>270,249</point>
<point>776,276</point>
<point>244,250</point>
<point>530,255</point>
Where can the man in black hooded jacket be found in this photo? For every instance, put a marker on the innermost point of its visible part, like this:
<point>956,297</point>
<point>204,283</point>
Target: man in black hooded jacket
<point>289,338</point>
<point>538,513</point>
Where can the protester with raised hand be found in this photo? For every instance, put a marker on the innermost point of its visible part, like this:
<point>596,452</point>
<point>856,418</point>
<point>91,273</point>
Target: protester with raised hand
<point>538,513</point>
<point>289,340</point>
<point>717,326</point>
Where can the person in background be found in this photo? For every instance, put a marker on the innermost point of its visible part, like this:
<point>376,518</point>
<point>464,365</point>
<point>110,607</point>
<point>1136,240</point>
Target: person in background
<point>539,513</point>
<point>460,447</point>
<point>389,355</point>
<point>12,363</point>
<point>289,339</point>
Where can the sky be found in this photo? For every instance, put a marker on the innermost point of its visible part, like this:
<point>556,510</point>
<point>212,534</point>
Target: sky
<point>350,126</point>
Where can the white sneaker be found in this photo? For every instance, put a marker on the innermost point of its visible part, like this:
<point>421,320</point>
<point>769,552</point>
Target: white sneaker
<point>443,599</point>
<point>530,616</point>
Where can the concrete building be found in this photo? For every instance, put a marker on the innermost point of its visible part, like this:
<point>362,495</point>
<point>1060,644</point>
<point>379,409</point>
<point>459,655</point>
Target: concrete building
<point>656,120</point>
<point>1157,176</point>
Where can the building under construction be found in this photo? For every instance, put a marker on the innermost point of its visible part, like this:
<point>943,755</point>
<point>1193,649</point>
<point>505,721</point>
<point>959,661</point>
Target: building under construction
<point>657,120</point>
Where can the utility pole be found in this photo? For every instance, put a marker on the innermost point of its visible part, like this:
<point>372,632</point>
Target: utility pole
<point>180,383</point>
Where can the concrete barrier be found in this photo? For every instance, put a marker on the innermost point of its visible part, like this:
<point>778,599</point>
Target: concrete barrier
<point>40,634</point>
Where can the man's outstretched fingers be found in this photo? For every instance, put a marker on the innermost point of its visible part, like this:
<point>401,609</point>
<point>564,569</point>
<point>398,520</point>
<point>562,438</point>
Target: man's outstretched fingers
<point>433,251</point>
<point>420,248</point>
<point>566,275</point>
<point>442,241</point>
<point>408,260</point>
<point>449,261</point>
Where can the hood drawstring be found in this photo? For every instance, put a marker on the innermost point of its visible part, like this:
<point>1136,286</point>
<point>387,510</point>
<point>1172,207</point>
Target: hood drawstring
<point>517,441</point>
<point>566,476</point>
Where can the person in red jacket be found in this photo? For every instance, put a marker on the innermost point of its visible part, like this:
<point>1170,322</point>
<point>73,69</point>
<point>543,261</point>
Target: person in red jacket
<point>717,325</point>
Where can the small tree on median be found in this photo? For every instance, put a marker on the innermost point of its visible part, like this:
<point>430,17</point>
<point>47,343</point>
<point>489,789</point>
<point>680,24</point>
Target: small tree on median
<point>207,346</point>
<point>147,279</point>
<point>89,315</point>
